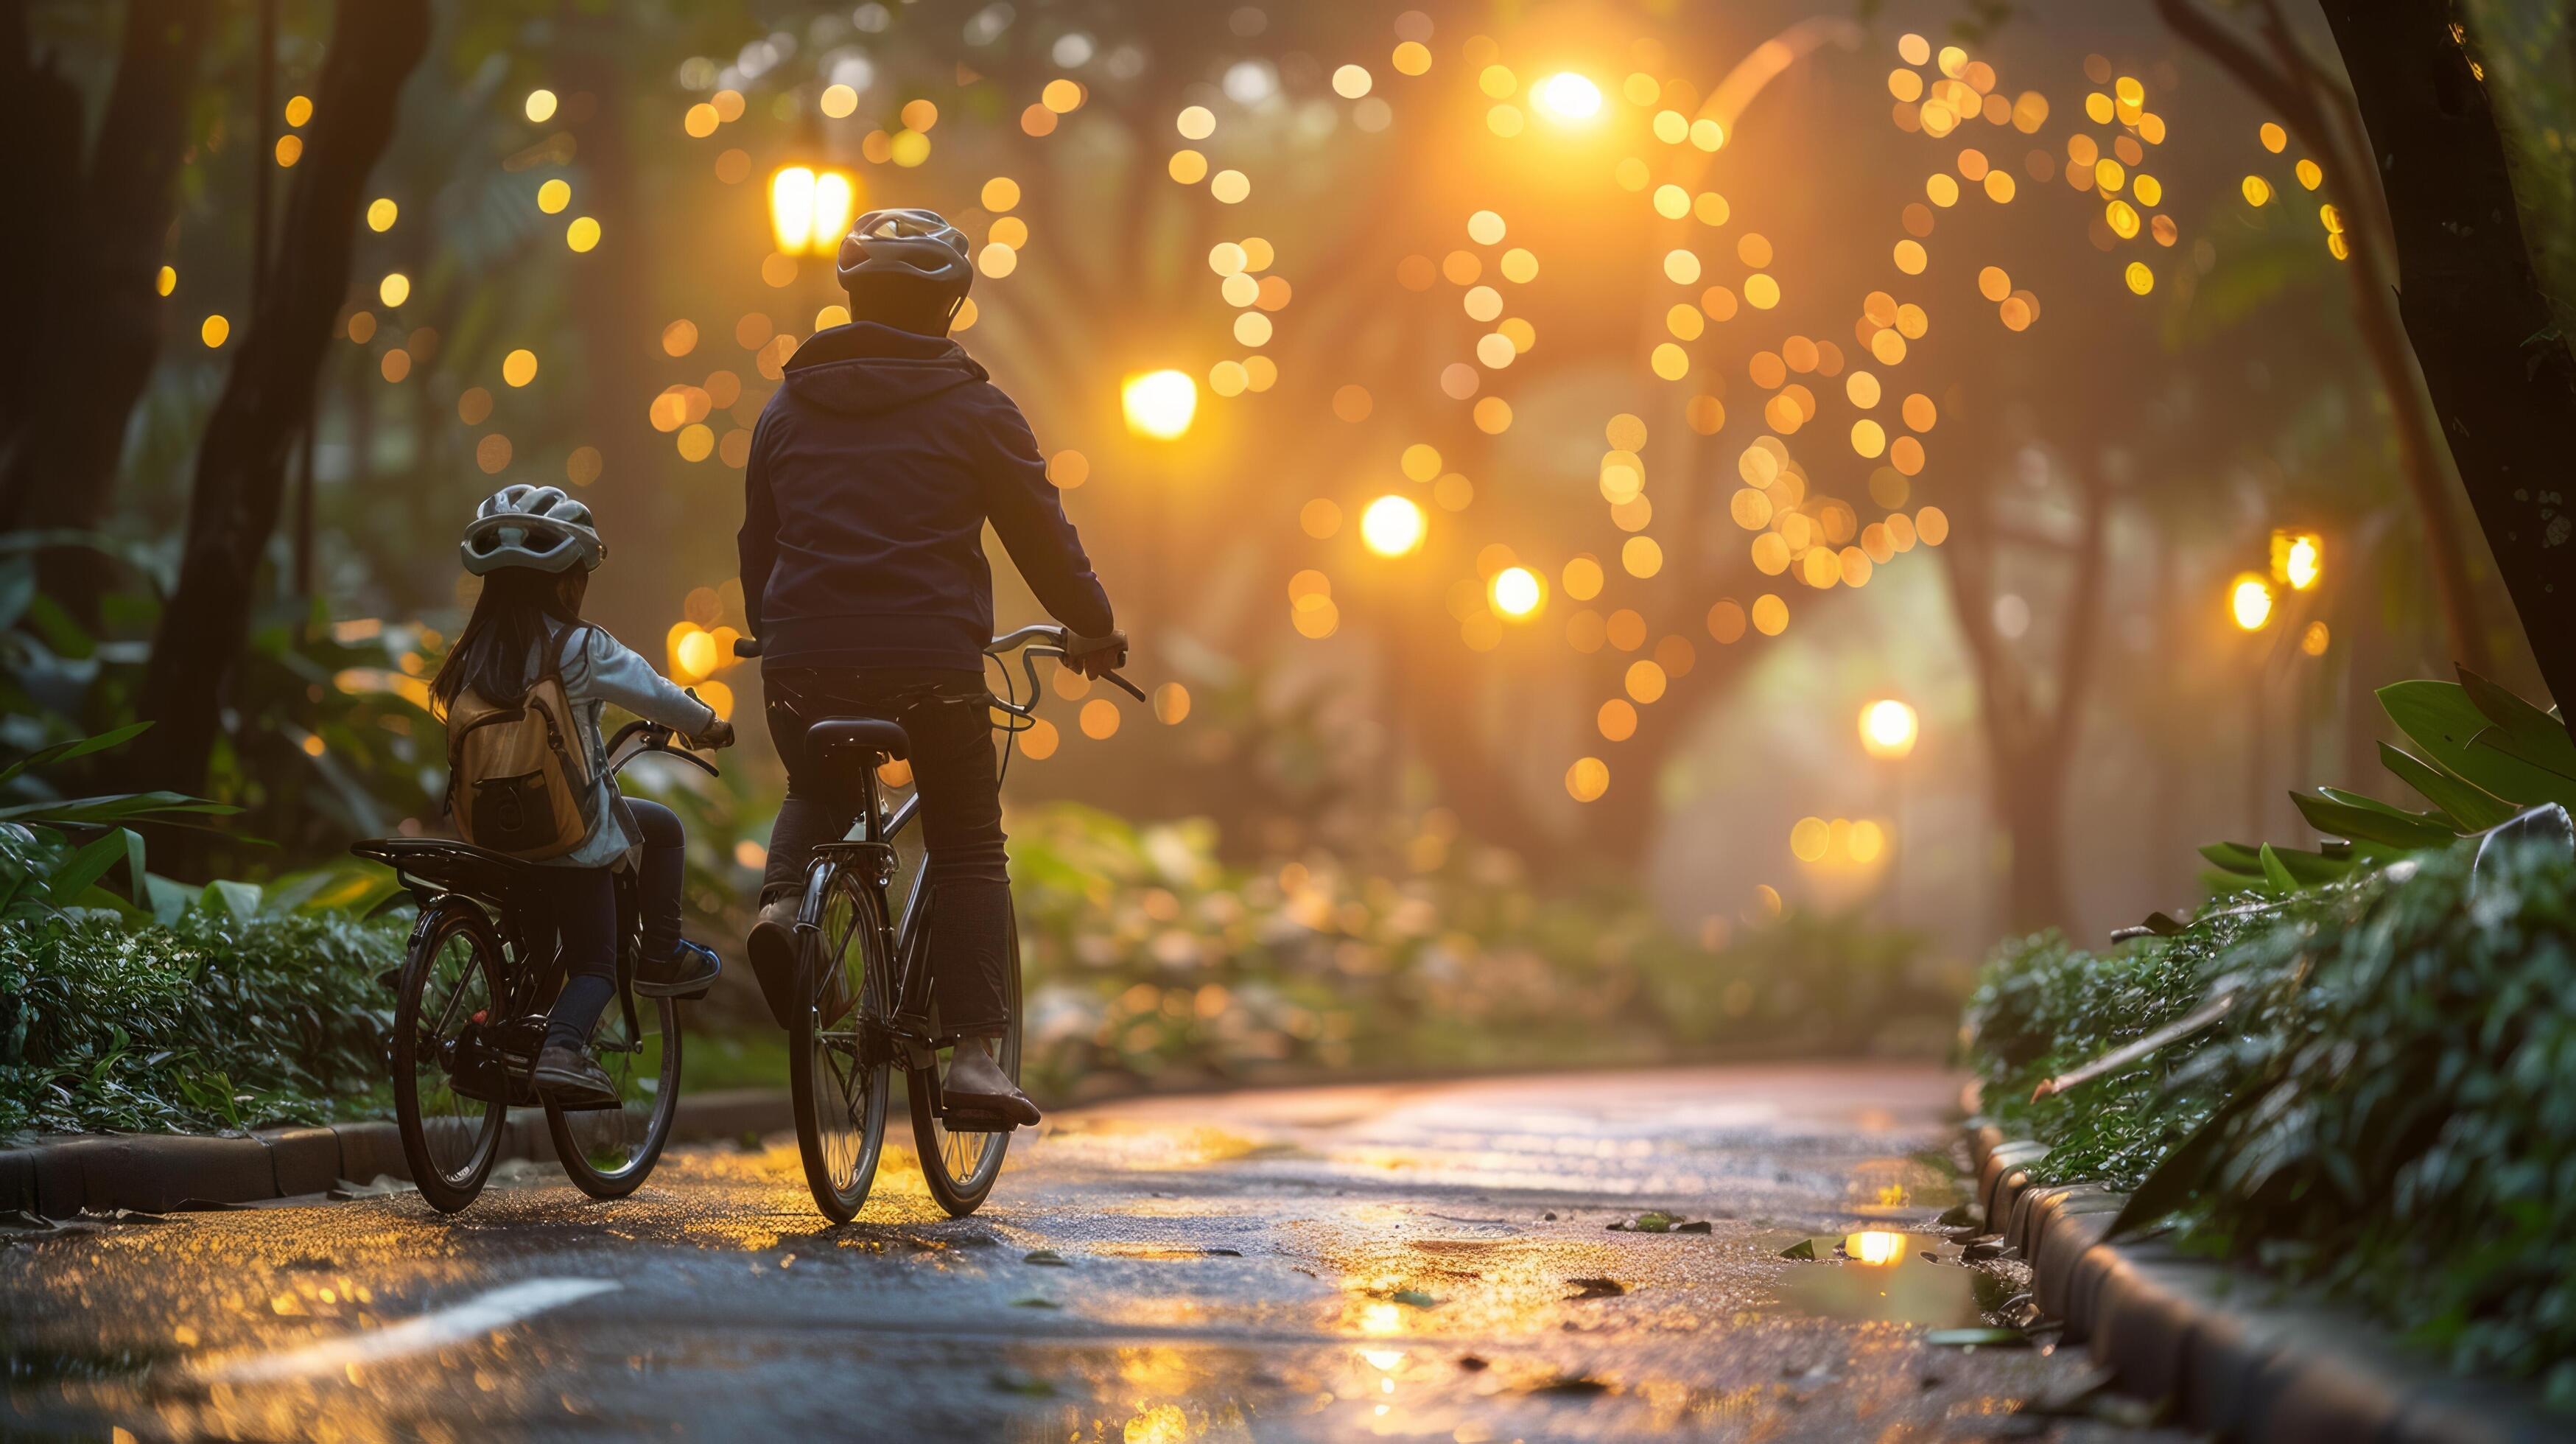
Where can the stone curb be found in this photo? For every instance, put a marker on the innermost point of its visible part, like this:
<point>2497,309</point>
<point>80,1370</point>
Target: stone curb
<point>2227,1351</point>
<point>157,1172</point>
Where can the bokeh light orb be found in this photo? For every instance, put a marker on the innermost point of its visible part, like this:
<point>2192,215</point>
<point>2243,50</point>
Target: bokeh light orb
<point>2249,602</point>
<point>1517,593</point>
<point>1888,728</point>
<point>1160,404</point>
<point>1569,96</point>
<point>1392,526</point>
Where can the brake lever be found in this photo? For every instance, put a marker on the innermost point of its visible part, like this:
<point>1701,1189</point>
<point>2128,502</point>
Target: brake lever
<point>1130,688</point>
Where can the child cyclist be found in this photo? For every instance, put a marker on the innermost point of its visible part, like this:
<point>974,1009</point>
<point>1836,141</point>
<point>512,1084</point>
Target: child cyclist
<point>535,547</point>
<point>874,469</point>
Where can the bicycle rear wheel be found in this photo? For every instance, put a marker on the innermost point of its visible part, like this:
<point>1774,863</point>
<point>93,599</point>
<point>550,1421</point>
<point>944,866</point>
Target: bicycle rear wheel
<point>450,988</point>
<point>960,1167</point>
<point>840,1098</point>
<point>608,1151</point>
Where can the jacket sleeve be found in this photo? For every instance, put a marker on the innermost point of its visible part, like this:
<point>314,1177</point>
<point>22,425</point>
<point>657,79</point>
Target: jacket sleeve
<point>756,545</point>
<point>1028,515</point>
<point>609,670</point>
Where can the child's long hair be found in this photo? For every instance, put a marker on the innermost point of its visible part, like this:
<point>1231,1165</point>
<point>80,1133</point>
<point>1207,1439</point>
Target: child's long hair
<point>494,657</point>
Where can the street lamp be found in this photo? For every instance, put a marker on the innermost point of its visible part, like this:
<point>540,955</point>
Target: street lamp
<point>1887,729</point>
<point>810,210</point>
<point>2249,602</point>
<point>2298,559</point>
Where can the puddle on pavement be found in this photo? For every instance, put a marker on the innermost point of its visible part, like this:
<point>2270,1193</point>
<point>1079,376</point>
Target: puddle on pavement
<point>1886,1279</point>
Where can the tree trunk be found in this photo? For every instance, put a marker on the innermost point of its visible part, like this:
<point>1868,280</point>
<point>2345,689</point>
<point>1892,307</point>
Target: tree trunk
<point>94,316</point>
<point>2502,378</point>
<point>2030,800</point>
<point>2318,113</point>
<point>241,464</point>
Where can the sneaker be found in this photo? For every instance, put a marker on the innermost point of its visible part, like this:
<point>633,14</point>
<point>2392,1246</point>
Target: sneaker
<point>688,972</point>
<point>570,1076</point>
<point>773,956</point>
<point>976,1084</point>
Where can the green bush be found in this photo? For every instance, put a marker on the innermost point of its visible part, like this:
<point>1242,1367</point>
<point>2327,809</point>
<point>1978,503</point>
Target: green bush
<point>2386,1106</point>
<point>1147,957</point>
<point>211,1022</point>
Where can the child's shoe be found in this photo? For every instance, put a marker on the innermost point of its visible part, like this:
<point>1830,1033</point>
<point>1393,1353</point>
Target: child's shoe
<point>688,972</point>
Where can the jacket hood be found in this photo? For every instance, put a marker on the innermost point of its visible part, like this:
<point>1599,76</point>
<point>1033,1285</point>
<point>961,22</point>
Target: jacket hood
<point>864,368</point>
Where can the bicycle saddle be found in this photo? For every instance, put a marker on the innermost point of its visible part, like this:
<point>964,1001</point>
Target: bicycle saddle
<point>863,734</point>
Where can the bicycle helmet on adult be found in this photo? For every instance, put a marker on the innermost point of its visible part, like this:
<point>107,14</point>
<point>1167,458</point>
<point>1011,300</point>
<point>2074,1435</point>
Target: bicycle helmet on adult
<point>903,242</point>
<point>538,527</point>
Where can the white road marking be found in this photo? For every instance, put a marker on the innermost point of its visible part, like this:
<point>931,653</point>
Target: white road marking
<point>456,1324</point>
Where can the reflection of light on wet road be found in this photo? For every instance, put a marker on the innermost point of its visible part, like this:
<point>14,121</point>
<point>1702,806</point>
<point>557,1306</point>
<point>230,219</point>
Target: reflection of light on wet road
<point>471,1319</point>
<point>1875,1247</point>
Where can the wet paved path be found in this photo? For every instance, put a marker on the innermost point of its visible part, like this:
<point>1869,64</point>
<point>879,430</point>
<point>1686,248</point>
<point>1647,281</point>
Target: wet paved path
<point>1415,1262</point>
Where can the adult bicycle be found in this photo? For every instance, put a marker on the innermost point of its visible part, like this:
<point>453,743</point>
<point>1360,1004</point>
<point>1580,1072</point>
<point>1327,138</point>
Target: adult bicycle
<point>864,969</point>
<point>482,968</point>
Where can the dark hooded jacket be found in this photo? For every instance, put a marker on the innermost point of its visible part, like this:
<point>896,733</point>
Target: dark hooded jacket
<point>873,471</point>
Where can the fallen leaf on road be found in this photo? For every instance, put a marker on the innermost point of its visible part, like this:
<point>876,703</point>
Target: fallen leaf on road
<point>1047,1257</point>
<point>1415,1297</point>
<point>1035,1303</point>
<point>1598,1288</point>
<point>1572,1384</point>
<point>1014,1382</point>
<point>1471,1363</point>
<point>1803,1250</point>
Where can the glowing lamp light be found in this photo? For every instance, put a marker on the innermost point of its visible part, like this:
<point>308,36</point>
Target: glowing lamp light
<point>2298,559</point>
<point>2249,602</point>
<point>1569,97</point>
<point>1160,404</point>
<point>1516,593</point>
<point>810,210</point>
<point>1392,526</point>
<point>1888,729</point>
<point>1875,1247</point>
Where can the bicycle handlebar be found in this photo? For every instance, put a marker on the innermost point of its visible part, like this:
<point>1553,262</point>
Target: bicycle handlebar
<point>1041,639</point>
<point>656,738</point>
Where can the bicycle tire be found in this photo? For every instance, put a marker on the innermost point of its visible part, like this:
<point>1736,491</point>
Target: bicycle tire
<point>960,1167</point>
<point>842,979</point>
<point>449,1149</point>
<point>608,1152</point>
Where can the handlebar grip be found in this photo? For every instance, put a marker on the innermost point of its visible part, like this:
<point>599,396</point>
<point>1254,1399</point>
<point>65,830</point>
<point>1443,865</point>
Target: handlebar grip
<point>746,646</point>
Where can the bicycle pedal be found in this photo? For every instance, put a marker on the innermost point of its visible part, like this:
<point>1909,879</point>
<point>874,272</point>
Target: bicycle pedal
<point>977,1123</point>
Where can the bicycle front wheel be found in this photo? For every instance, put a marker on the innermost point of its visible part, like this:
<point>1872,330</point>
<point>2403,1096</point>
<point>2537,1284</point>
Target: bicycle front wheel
<point>450,1086</point>
<point>843,984</point>
<point>960,1166</point>
<point>608,1151</point>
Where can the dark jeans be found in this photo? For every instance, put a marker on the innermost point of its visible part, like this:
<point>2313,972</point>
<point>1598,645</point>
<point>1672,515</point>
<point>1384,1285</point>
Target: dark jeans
<point>942,711</point>
<point>586,921</point>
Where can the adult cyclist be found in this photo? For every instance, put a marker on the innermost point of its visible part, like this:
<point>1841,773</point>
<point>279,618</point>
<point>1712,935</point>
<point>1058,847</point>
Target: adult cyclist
<point>874,469</point>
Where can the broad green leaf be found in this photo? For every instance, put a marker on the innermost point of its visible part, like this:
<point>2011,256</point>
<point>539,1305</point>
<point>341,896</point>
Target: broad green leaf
<point>2235,857</point>
<point>2476,808</point>
<point>241,899</point>
<point>77,747</point>
<point>2274,872</point>
<point>2367,803</point>
<point>87,865</point>
<point>2367,825</point>
<point>2443,722</point>
<point>2307,868</point>
<point>2521,731</point>
<point>169,898</point>
<point>115,806</point>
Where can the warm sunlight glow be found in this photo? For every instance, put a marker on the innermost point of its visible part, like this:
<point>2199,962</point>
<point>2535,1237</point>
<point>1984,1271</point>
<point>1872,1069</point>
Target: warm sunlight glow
<point>1160,404</point>
<point>834,199</point>
<point>1569,97</point>
<point>1887,728</point>
<point>2249,602</point>
<point>791,208</point>
<point>1392,526</point>
<point>1517,592</point>
<point>2298,559</point>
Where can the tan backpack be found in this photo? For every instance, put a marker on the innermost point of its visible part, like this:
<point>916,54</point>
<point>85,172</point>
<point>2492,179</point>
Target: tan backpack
<point>518,776</point>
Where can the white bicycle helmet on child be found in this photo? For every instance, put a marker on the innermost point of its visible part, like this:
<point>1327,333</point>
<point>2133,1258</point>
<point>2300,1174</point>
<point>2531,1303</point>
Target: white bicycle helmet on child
<point>539,527</point>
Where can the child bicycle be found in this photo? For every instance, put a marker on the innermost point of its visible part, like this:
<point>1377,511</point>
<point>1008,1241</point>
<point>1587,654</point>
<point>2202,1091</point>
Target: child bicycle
<point>482,967</point>
<point>864,973</point>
